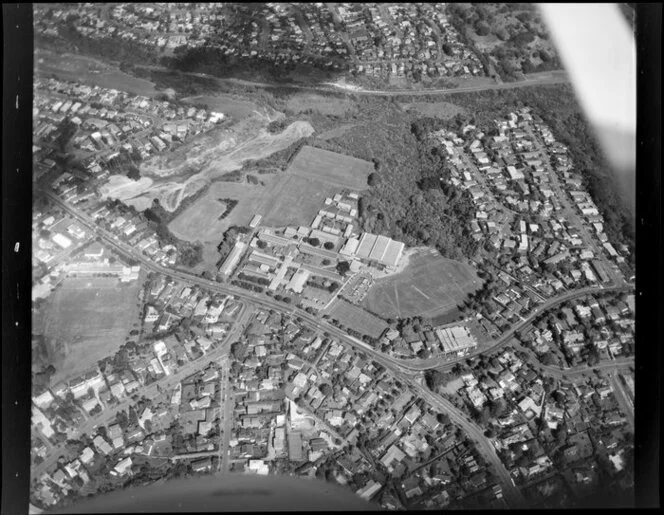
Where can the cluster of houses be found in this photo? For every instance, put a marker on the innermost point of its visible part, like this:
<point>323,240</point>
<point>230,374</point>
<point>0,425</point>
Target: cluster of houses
<point>131,228</point>
<point>163,26</point>
<point>109,121</point>
<point>413,41</point>
<point>605,321</point>
<point>381,41</point>
<point>359,401</point>
<point>542,427</point>
<point>267,426</point>
<point>168,302</point>
<point>539,247</point>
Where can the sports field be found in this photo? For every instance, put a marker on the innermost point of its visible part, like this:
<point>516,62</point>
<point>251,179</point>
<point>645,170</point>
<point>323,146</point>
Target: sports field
<point>88,319</point>
<point>429,286</point>
<point>356,318</point>
<point>313,175</point>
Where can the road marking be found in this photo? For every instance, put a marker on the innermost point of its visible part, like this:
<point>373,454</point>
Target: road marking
<point>420,291</point>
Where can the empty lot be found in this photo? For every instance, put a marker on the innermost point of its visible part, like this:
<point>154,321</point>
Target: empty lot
<point>86,320</point>
<point>313,175</point>
<point>429,286</point>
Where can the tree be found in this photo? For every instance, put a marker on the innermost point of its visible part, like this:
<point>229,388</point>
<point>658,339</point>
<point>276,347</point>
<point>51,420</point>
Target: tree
<point>343,267</point>
<point>443,418</point>
<point>133,173</point>
<point>593,356</point>
<point>328,245</point>
<point>261,244</point>
<point>314,242</point>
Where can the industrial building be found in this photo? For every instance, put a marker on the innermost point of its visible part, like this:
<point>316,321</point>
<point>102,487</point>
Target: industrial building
<point>455,339</point>
<point>379,249</point>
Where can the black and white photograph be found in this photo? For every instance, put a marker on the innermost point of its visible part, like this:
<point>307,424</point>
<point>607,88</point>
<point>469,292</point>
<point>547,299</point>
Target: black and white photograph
<point>331,256</point>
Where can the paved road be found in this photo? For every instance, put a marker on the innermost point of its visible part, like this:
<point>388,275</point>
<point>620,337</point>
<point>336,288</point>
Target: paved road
<point>554,77</point>
<point>507,336</point>
<point>582,369</point>
<point>512,493</point>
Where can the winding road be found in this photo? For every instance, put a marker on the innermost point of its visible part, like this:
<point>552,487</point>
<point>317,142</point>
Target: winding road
<point>537,79</point>
<point>408,373</point>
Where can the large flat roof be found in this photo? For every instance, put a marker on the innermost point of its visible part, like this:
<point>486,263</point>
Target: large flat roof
<point>366,244</point>
<point>379,248</point>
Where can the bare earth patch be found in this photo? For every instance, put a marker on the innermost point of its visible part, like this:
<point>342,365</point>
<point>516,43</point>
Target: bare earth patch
<point>172,176</point>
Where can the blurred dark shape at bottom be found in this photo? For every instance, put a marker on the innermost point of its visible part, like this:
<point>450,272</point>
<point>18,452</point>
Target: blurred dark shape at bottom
<point>620,149</point>
<point>226,493</point>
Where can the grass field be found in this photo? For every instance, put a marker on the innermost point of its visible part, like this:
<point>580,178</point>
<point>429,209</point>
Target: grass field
<point>200,221</point>
<point>323,104</point>
<point>87,70</point>
<point>429,286</point>
<point>356,318</point>
<point>86,320</point>
<point>313,175</point>
<point>336,132</point>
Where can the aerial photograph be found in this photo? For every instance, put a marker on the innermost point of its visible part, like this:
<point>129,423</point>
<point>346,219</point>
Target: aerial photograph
<point>350,256</point>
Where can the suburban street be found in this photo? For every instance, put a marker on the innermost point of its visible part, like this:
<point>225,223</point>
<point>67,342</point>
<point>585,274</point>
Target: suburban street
<point>151,391</point>
<point>512,494</point>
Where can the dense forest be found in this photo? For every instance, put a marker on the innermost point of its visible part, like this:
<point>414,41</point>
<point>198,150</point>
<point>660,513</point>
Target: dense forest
<point>406,200</point>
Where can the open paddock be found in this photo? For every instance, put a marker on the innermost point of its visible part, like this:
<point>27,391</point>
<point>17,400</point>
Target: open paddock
<point>443,110</point>
<point>200,221</point>
<point>312,176</point>
<point>429,286</point>
<point>336,169</point>
<point>329,105</point>
<point>356,318</point>
<point>88,319</point>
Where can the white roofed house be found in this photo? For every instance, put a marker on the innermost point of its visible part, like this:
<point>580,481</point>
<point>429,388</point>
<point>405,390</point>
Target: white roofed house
<point>86,455</point>
<point>44,399</point>
<point>102,445</point>
<point>123,467</point>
